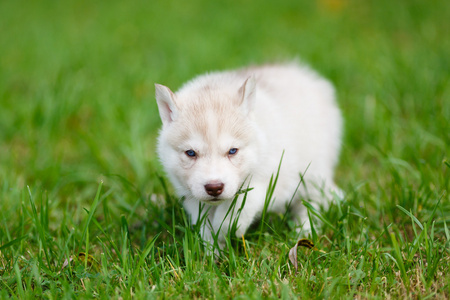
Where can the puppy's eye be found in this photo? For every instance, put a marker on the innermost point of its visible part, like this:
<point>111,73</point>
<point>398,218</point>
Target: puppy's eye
<point>233,151</point>
<point>190,153</point>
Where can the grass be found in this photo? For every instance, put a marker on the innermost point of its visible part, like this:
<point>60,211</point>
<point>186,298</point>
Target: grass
<point>85,211</point>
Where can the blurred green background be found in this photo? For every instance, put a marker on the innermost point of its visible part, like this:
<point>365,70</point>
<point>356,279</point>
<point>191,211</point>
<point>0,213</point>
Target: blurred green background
<point>76,81</point>
<point>77,107</point>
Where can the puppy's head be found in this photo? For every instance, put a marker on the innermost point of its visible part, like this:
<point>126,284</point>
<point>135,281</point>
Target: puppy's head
<point>208,144</point>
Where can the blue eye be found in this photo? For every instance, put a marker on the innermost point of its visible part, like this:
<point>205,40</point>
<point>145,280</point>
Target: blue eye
<point>190,153</point>
<point>232,151</point>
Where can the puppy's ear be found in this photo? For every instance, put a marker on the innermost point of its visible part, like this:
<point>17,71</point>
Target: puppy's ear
<point>166,104</point>
<point>247,93</point>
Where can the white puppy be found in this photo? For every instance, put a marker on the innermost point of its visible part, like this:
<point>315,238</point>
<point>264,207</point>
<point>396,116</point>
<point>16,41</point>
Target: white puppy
<point>227,130</point>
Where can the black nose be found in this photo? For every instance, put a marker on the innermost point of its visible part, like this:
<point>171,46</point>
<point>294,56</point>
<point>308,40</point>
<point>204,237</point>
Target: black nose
<point>214,189</point>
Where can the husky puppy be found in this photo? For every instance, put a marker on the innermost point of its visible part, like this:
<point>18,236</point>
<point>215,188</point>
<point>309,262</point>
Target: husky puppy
<point>226,130</point>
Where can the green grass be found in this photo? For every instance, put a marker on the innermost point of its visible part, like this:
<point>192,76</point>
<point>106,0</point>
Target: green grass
<point>85,211</point>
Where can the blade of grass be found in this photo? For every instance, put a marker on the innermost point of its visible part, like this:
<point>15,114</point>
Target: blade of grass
<point>399,259</point>
<point>317,214</point>
<point>411,216</point>
<point>447,232</point>
<point>19,281</point>
<point>142,258</point>
<point>91,212</point>
<point>11,243</point>
<point>39,227</point>
<point>269,193</point>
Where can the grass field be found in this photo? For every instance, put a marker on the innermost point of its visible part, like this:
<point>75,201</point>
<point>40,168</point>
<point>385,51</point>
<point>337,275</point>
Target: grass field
<point>85,211</point>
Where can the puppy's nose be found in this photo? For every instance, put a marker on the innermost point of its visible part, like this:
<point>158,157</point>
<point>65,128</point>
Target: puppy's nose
<point>214,188</point>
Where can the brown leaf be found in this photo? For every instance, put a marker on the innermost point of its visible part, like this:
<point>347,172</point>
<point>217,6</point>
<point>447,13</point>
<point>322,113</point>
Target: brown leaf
<point>88,260</point>
<point>293,252</point>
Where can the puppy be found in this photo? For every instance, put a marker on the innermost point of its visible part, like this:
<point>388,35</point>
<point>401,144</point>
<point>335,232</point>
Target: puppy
<point>226,130</point>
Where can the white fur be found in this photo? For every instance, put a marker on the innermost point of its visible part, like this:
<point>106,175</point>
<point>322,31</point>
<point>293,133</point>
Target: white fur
<point>261,111</point>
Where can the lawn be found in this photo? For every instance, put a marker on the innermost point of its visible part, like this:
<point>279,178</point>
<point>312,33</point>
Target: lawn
<point>86,210</point>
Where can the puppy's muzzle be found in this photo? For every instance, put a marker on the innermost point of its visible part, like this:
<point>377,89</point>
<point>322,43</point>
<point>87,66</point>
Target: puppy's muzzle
<point>214,188</point>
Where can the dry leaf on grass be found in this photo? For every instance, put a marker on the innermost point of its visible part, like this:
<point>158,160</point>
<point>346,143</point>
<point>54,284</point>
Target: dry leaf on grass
<point>89,261</point>
<point>293,252</point>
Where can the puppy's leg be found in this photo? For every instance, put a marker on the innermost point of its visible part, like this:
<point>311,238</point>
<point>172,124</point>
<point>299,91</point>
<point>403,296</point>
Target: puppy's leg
<point>318,197</point>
